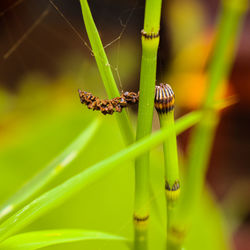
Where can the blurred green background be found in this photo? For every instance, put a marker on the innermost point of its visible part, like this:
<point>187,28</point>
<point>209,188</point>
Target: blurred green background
<point>40,113</point>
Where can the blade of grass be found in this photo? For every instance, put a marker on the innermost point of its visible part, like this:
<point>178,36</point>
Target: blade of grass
<point>105,70</point>
<point>40,239</point>
<point>203,135</point>
<point>46,175</point>
<point>150,43</point>
<point>61,193</point>
<point>229,27</point>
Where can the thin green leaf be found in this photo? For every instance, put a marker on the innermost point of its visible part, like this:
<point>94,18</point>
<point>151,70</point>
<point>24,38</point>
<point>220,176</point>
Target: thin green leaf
<point>50,172</point>
<point>61,193</point>
<point>229,27</point>
<point>105,70</point>
<point>201,140</point>
<point>39,239</point>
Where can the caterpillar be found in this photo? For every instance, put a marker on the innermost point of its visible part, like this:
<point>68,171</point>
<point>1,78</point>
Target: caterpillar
<point>164,100</point>
<point>108,106</point>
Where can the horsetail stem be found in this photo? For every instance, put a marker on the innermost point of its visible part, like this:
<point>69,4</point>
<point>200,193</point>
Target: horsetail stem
<point>164,104</point>
<point>150,43</point>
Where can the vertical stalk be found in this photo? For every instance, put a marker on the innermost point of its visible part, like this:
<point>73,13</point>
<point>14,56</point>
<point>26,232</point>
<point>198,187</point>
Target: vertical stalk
<point>164,104</point>
<point>203,135</point>
<point>105,70</point>
<point>150,42</point>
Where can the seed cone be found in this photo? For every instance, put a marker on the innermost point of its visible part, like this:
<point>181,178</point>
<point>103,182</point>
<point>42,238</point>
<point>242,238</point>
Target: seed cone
<point>164,98</point>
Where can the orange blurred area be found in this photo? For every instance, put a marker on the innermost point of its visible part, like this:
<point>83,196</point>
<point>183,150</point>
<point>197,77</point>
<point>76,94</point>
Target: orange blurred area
<point>190,79</point>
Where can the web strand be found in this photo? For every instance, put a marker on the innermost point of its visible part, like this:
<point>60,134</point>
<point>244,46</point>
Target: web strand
<point>46,12</point>
<point>118,39</point>
<point>71,26</point>
<point>124,27</point>
<point>11,7</point>
<point>75,31</point>
<point>26,34</point>
<point>79,35</point>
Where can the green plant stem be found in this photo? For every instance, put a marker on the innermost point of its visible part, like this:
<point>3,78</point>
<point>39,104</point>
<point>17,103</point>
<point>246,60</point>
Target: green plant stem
<point>203,135</point>
<point>170,149</point>
<point>105,70</point>
<point>46,175</point>
<point>61,193</point>
<point>145,116</point>
<point>172,177</point>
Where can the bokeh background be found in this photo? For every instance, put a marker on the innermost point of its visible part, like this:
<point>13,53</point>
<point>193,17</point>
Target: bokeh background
<point>44,60</point>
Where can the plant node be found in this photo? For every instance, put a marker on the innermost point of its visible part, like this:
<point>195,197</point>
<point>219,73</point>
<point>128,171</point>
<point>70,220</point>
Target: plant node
<point>150,35</point>
<point>141,222</point>
<point>172,193</point>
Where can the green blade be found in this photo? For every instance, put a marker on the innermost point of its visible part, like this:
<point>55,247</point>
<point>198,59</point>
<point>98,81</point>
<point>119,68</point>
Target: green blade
<point>105,70</point>
<point>61,193</point>
<point>39,239</point>
<point>59,164</point>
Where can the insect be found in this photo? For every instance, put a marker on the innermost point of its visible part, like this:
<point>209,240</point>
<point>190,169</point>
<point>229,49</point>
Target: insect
<point>108,106</point>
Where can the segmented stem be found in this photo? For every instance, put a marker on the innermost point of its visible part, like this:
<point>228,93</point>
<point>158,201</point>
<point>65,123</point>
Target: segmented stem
<point>150,42</point>
<point>164,104</point>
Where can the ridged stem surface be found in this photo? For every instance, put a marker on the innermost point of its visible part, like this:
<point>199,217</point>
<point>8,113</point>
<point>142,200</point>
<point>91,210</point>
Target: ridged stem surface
<point>150,42</point>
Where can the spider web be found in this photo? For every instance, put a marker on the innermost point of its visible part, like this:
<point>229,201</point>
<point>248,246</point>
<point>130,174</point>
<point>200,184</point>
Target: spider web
<point>51,5</point>
<point>12,6</point>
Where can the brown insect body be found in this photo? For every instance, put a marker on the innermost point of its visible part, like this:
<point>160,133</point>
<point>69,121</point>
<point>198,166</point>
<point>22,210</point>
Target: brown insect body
<point>108,106</point>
